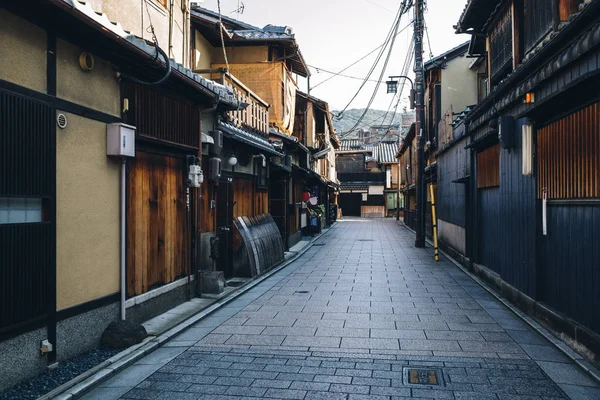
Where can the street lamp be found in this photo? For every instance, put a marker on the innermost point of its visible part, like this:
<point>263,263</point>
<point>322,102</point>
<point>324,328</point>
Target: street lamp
<point>392,87</point>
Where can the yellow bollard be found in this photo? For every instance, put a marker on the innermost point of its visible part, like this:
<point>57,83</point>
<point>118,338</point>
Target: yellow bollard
<point>434,225</point>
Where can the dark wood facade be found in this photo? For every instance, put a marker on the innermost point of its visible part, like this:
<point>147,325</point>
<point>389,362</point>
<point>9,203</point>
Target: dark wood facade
<point>551,272</point>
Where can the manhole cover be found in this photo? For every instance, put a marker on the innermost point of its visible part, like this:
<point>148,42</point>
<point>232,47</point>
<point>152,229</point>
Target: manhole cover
<point>422,376</point>
<point>302,291</point>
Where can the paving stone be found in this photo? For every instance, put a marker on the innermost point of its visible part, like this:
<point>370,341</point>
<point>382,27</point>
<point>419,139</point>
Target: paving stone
<point>372,309</point>
<point>285,393</point>
<point>342,388</point>
<point>370,343</point>
<point>272,383</point>
<point>325,396</point>
<point>245,391</point>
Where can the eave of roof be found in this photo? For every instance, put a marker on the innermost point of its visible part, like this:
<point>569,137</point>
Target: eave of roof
<point>132,45</point>
<point>243,34</point>
<point>540,64</point>
<point>475,15</point>
<point>407,141</point>
<point>449,55</point>
<point>248,138</point>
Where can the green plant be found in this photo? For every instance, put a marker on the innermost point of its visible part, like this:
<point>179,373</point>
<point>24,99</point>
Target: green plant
<point>318,211</point>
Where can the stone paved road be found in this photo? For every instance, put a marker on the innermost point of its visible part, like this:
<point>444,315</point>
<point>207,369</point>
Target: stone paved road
<point>345,321</point>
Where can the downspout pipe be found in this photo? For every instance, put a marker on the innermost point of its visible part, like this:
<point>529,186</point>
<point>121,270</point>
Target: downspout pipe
<point>123,236</point>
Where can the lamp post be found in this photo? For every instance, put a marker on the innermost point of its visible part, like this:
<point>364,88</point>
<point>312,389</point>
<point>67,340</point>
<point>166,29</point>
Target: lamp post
<point>392,87</point>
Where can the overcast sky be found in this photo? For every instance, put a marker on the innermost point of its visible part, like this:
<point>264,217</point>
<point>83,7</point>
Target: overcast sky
<point>334,33</point>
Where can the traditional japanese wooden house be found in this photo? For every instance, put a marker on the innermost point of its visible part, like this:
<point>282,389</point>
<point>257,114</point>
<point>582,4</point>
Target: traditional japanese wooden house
<point>533,183</point>
<point>87,238</point>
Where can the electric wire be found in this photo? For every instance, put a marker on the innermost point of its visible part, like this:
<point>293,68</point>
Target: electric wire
<point>403,9</point>
<point>221,27</point>
<point>390,38</point>
<point>335,74</point>
<point>159,52</point>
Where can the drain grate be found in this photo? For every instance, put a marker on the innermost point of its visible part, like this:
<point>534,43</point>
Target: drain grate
<point>302,291</point>
<point>423,376</point>
<point>365,240</point>
<point>319,244</point>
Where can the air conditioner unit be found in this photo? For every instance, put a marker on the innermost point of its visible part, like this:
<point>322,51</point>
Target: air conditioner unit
<point>217,146</point>
<point>214,169</point>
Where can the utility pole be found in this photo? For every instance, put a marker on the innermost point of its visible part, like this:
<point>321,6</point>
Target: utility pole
<point>420,95</point>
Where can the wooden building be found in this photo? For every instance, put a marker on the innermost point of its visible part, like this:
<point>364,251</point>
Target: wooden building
<point>269,63</point>
<point>68,73</point>
<point>527,188</point>
<point>368,177</point>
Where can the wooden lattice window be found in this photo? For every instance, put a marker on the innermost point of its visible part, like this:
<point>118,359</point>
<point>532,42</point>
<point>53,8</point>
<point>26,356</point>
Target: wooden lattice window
<point>569,156</point>
<point>488,167</point>
<point>538,21</point>
<point>501,47</point>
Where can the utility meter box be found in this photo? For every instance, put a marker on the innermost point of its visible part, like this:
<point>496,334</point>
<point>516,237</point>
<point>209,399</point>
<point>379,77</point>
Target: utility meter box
<point>120,140</point>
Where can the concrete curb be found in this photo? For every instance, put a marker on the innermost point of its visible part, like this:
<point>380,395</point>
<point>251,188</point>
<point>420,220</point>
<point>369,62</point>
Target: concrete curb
<point>536,326</point>
<point>86,381</point>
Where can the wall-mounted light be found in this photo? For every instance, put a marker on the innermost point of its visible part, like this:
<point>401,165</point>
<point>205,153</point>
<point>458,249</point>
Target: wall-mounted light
<point>529,98</point>
<point>527,149</point>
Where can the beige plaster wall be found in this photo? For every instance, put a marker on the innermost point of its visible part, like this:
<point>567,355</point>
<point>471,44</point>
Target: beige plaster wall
<point>97,89</point>
<point>459,85</point>
<point>203,54</point>
<point>87,214</point>
<point>22,52</point>
<point>242,54</point>
<point>135,16</point>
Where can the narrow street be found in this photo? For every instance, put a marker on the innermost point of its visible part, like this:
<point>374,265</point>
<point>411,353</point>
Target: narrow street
<point>347,320</point>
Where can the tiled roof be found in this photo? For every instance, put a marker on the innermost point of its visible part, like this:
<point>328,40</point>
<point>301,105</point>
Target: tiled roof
<point>517,89</point>
<point>352,144</point>
<point>248,138</point>
<point>383,152</point>
<point>241,32</point>
<point>224,93</point>
<point>263,35</point>
<point>354,186</point>
<point>387,153</point>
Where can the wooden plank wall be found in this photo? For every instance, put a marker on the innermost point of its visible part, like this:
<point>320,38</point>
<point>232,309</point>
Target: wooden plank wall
<point>248,201</point>
<point>569,156</point>
<point>372,211</point>
<point>569,255</point>
<point>156,229</point>
<point>488,167</point>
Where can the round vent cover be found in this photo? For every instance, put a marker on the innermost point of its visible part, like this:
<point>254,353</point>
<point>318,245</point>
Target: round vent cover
<point>61,121</point>
<point>86,61</point>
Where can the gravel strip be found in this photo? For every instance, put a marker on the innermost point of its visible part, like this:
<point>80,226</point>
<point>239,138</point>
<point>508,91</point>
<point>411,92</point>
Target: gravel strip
<point>50,379</point>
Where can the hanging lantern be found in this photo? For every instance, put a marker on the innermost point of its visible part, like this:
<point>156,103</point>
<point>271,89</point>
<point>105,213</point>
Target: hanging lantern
<point>305,196</point>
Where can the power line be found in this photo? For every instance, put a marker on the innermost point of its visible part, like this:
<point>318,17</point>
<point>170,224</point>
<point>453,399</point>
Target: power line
<point>403,9</point>
<point>390,38</point>
<point>353,64</point>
